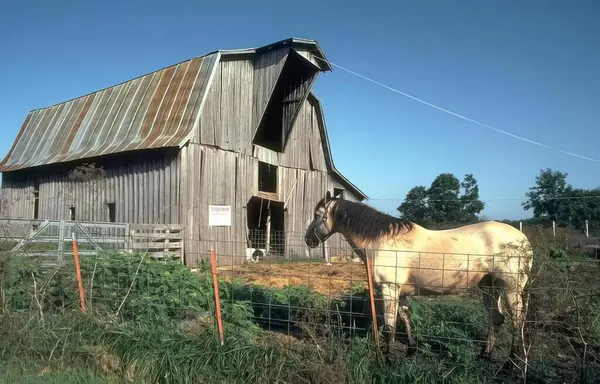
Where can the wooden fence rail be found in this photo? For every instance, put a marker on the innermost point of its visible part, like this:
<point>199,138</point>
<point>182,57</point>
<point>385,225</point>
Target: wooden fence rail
<point>52,238</point>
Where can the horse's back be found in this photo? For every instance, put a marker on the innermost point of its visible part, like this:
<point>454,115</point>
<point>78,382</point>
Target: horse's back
<point>453,259</point>
<point>484,246</point>
<point>511,249</point>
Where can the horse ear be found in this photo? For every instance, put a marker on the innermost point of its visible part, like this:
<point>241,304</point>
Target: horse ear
<point>328,196</point>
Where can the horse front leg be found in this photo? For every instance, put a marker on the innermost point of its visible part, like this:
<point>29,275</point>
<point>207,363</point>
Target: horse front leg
<point>389,293</point>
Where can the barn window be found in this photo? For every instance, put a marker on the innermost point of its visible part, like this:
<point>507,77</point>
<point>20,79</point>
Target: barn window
<point>36,199</point>
<point>112,214</point>
<point>339,192</point>
<point>267,177</point>
<point>291,89</point>
<point>72,212</point>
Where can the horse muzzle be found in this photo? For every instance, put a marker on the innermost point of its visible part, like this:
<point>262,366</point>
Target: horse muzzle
<point>311,241</point>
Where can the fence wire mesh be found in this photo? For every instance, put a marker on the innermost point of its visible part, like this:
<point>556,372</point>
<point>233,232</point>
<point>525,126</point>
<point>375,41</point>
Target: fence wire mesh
<point>316,303</point>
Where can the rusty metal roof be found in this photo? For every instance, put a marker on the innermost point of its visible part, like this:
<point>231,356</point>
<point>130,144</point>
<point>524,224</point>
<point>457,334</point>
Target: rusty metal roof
<point>152,111</point>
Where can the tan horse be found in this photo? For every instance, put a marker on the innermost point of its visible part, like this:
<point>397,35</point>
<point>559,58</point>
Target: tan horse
<point>410,260</point>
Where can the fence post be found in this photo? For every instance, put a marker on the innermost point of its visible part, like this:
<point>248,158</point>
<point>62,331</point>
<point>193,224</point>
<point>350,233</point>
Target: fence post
<point>78,272</point>
<point>213,263</point>
<point>553,228</point>
<point>61,242</point>
<point>127,238</point>
<point>587,229</point>
<point>521,226</point>
<point>166,246</point>
<point>372,299</point>
<point>326,254</point>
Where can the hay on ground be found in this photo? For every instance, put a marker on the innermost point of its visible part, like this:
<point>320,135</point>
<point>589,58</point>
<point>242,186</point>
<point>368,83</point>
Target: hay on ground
<point>330,280</point>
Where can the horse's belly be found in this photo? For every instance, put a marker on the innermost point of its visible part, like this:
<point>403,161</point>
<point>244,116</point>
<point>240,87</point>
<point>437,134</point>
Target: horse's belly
<point>444,281</point>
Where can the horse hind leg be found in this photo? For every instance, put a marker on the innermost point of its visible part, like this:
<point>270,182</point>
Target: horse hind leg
<point>513,297</point>
<point>491,301</point>
<point>492,294</point>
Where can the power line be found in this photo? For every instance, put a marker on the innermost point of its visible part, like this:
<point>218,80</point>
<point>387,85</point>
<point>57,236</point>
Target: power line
<point>494,199</point>
<point>459,115</point>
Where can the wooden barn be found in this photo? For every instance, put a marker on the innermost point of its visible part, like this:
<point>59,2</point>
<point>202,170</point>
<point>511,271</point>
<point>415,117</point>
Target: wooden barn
<point>227,145</point>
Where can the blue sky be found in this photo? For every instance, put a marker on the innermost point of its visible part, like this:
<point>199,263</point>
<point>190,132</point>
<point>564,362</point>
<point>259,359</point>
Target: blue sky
<point>529,68</point>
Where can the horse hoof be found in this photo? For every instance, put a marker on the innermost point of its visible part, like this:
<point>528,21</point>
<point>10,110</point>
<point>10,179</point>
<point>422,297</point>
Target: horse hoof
<point>508,366</point>
<point>484,355</point>
<point>394,348</point>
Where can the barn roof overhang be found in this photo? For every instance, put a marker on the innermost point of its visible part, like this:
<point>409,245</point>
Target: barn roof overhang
<point>327,148</point>
<point>300,44</point>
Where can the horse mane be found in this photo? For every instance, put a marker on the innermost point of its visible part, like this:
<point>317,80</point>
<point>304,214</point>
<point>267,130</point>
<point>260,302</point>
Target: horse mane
<point>366,222</point>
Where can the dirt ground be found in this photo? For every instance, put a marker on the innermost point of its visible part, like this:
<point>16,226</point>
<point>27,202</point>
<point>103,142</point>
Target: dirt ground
<point>330,280</point>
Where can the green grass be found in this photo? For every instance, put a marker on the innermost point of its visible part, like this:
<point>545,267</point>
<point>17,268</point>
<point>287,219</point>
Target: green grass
<point>75,345</point>
<point>13,374</point>
<point>151,321</point>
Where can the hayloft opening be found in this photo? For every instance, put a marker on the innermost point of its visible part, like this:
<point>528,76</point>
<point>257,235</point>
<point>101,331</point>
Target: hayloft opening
<point>292,87</point>
<point>112,212</point>
<point>267,177</point>
<point>36,199</point>
<point>266,217</point>
<point>339,192</point>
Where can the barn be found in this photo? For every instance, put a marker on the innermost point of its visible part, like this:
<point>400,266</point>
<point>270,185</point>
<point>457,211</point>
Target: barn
<point>231,145</point>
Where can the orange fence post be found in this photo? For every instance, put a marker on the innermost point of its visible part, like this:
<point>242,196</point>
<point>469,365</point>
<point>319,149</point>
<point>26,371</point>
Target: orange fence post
<point>372,299</point>
<point>213,263</point>
<point>78,273</point>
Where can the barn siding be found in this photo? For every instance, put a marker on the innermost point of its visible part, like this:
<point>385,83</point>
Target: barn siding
<point>267,68</point>
<point>214,176</point>
<point>144,191</point>
<point>296,153</point>
<point>16,197</point>
<point>207,186</point>
<point>226,120</point>
<point>304,147</point>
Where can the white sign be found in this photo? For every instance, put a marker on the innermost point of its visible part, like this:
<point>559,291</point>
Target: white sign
<point>219,215</point>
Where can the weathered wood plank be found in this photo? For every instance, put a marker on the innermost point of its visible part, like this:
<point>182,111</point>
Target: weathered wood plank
<point>211,113</point>
<point>156,227</point>
<point>267,68</point>
<point>317,152</point>
<point>229,110</point>
<point>246,91</point>
<point>156,245</point>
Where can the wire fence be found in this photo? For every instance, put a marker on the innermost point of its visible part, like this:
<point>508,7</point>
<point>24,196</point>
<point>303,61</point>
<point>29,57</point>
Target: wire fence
<point>323,301</point>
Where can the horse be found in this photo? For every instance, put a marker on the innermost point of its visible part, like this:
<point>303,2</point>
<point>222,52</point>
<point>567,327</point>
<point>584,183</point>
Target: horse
<point>410,260</point>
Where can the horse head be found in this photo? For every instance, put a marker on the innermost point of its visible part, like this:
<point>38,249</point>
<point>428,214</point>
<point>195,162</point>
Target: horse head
<point>322,225</point>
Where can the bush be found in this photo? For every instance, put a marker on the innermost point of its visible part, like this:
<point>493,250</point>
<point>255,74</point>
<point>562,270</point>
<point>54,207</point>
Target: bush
<point>130,286</point>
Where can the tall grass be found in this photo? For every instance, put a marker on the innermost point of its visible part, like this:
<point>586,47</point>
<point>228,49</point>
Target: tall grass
<point>152,321</point>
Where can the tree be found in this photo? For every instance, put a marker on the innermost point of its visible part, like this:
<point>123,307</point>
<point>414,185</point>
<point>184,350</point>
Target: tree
<point>447,200</point>
<point>553,199</point>
<point>544,197</point>
<point>471,204</point>
<point>444,199</point>
<point>415,205</point>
